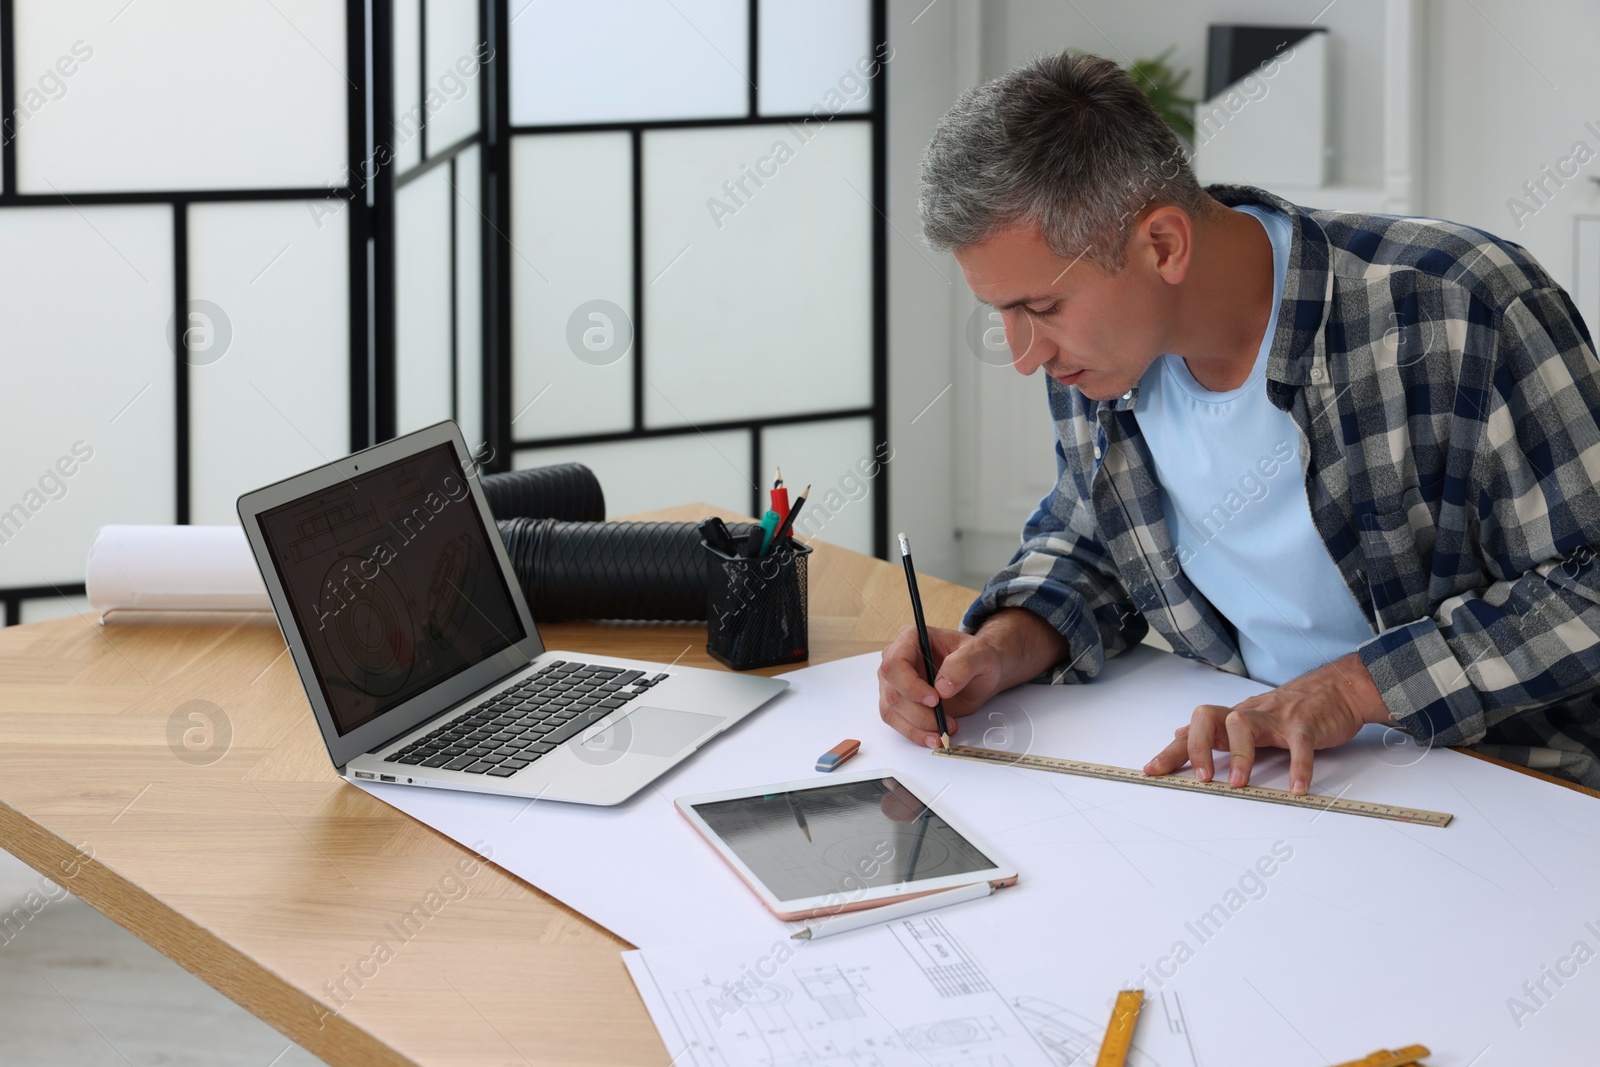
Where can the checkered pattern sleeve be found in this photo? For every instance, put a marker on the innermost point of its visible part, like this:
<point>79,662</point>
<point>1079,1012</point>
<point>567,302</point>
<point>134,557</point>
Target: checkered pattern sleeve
<point>1525,442</point>
<point>1062,572</point>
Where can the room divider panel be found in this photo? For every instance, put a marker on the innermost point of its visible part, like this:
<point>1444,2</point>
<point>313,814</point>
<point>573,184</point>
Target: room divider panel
<point>239,240</point>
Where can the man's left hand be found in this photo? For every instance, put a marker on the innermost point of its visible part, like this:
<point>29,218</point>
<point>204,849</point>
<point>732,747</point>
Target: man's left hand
<point>1322,709</point>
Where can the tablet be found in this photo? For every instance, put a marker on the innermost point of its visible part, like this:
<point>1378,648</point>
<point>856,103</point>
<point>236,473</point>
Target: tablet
<point>813,847</point>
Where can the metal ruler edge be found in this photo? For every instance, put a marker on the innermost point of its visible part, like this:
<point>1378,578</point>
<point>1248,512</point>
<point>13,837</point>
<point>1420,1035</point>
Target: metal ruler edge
<point>1057,765</point>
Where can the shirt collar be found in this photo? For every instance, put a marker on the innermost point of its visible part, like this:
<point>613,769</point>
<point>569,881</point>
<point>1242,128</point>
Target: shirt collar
<point>1307,288</point>
<point>1302,311</point>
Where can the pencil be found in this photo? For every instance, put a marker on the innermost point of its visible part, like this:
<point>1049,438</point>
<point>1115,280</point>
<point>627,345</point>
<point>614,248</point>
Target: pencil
<point>922,636</point>
<point>844,922</point>
<point>798,817</point>
<point>916,845</point>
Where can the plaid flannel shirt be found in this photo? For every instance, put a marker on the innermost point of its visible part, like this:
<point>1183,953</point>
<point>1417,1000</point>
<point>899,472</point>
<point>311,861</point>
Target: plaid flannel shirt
<point>1448,399</point>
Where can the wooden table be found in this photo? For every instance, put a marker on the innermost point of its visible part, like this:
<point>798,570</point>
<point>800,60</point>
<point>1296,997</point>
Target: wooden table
<point>270,878</point>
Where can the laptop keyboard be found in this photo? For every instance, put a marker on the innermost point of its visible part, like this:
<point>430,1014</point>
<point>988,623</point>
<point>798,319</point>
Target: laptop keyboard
<point>510,730</point>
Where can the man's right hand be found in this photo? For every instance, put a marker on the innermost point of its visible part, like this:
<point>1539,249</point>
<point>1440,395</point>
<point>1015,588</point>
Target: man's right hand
<point>1011,647</point>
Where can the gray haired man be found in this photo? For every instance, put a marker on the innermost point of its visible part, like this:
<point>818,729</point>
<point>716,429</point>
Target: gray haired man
<point>1352,456</point>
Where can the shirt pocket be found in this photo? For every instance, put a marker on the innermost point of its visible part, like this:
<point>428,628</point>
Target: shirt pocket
<point>1397,545</point>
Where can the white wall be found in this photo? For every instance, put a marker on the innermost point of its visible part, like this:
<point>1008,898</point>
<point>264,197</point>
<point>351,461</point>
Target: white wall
<point>1125,30</point>
<point>925,77</point>
<point>1509,89</point>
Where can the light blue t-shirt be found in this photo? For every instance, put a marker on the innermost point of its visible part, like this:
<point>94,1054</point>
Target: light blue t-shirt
<point>1234,497</point>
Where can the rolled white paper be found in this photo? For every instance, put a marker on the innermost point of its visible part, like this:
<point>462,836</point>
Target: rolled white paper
<point>173,568</point>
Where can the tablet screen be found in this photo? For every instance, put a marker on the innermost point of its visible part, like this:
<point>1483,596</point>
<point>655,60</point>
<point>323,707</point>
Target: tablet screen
<point>840,838</point>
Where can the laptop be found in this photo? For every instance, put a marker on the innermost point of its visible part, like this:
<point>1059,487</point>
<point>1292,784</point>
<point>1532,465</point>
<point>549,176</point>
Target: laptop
<point>419,654</point>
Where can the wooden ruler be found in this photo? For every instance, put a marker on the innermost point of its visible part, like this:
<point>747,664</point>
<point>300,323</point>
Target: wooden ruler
<point>1311,801</point>
<point>1119,1031</point>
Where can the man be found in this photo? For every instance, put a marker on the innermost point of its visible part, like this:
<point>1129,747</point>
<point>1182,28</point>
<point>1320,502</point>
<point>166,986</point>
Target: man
<point>1352,456</point>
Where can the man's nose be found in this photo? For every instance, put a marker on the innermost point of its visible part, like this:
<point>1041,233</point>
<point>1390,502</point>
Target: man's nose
<point>1030,348</point>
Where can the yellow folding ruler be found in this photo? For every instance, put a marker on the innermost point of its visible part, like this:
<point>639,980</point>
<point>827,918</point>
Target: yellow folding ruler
<point>1404,1057</point>
<point>1311,801</point>
<point>1119,1031</point>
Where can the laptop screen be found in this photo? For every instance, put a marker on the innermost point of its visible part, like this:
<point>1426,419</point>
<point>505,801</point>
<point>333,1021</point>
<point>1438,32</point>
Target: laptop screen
<point>393,583</point>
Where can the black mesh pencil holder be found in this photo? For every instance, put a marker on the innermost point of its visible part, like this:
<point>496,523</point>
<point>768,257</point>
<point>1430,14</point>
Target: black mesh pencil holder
<point>756,608</point>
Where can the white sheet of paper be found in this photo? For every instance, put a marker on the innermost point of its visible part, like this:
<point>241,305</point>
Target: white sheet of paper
<point>1361,933</point>
<point>914,992</point>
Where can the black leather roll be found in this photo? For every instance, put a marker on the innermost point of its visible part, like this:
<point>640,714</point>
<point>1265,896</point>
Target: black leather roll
<point>568,491</point>
<point>648,571</point>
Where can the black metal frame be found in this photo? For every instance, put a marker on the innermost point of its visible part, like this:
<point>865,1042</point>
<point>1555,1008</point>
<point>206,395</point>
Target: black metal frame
<point>391,181</point>
<point>369,193</point>
<point>877,410</point>
<point>360,229</point>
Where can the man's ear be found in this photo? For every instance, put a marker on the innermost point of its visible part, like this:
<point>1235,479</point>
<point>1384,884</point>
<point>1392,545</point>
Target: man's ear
<point>1166,239</point>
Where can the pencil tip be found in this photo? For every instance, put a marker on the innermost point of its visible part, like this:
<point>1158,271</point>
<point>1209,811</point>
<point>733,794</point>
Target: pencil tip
<point>944,739</point>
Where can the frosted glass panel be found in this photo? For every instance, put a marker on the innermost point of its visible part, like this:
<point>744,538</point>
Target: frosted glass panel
<point>816,56</point>
<point>55,607</point>
<point>185,94</point>
<point>837,459</point>
<point>269,328</point>
<point>628,60</point>
<point>87,434</point>
<point>572,285</point>
<point>469,299</point>
<point>455,51</point>
<point>662,472</point>
<point>407,67</point>
<point>423,367</point>
<point>758,259</point>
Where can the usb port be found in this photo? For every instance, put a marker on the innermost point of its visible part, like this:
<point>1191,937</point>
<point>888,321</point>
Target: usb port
<point>385,777</point>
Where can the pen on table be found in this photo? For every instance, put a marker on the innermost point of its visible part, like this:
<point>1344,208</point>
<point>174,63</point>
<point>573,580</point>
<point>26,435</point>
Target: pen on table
<point>846,921</point>
<point>922,637</point>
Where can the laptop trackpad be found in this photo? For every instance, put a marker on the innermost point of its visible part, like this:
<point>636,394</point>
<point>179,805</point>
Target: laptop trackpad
<point>650,732</point>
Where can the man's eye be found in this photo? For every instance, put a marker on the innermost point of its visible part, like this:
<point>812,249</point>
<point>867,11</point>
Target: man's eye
<point>1041,311</point>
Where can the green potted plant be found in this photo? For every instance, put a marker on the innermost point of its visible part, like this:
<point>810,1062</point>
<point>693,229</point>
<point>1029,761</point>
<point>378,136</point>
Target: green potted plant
<point>1163,86</point>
